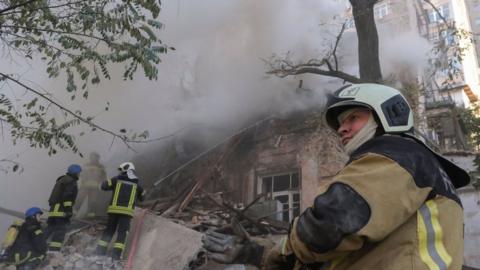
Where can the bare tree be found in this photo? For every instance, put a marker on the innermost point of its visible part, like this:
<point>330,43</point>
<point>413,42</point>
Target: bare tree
<point>368,54</point>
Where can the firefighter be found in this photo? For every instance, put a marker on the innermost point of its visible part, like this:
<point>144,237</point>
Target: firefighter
<point>393,206</point>
<point>61,203</point>
<point>89,195</point>
<point>29,248</point>
<point>126,190</point>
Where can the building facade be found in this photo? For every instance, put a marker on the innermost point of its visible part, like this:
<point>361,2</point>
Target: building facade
<point>451,82</point>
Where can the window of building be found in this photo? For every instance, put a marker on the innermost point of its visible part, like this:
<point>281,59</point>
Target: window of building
<point>284,188</point>
<point>349,23</point>
<point>433,36</point>
<point>380,10</point>
<point>433,15</point>
<point>448,37</point>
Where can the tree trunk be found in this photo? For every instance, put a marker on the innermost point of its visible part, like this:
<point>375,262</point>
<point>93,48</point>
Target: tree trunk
<point>368,58</point>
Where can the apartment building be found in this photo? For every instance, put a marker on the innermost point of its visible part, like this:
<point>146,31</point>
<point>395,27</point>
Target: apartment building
<point>450,82</point>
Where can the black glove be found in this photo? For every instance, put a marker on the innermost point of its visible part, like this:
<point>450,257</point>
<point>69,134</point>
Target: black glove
<point>231,249</point>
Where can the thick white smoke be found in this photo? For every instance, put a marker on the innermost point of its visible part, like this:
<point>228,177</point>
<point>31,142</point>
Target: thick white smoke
<point>214,79</point>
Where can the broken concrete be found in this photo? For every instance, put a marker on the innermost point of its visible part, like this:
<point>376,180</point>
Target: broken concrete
<point>165,245</point>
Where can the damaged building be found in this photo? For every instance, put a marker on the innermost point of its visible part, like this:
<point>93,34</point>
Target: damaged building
<point>283,159</point>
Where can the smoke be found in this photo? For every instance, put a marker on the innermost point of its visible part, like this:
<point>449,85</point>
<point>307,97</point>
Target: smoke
<point>214,80</point>
<point>406,48</point>
<point>213,83</point>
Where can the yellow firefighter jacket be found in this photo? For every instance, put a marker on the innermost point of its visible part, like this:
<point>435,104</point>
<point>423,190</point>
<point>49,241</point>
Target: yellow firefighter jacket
<point>126,192</point>
<point>393,207</point>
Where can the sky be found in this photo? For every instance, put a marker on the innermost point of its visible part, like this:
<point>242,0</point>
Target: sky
<point>215,80</point>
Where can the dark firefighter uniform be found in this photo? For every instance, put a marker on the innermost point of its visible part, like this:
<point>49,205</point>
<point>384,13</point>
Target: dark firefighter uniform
<point>61,202</point>
<point>125,192</point>
<point>30,246</point>
<point>393,207</point>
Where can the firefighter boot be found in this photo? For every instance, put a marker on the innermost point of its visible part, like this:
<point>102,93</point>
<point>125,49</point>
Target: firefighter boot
<point>117,254</point>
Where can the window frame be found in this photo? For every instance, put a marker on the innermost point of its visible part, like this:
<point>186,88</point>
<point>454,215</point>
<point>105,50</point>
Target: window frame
<point>290,192</point>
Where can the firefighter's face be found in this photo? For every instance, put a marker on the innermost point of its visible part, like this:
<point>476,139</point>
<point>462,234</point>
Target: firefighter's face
<point>352,123</point>
<point>38,216</point>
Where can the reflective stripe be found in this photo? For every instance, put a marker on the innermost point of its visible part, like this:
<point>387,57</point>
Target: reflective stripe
<point>20,261</point>
<point>132,197</point>
<point>127,183</point>
<point>37,232</point>
<point>335,262</point>
<point>102,243</point>
<point>117,192</point>
<point>36,258</point>
<point>55,244</point>
<point>67,203</point>
<point>109,182</point>
<point>284,246</point>
<point>119,246</point>
<point>432,250</point>
<point>56,211</point>
<point>120,210</point>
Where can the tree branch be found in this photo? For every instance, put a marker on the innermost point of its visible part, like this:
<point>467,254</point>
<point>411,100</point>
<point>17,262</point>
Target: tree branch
<point>284,68</point>
<point>125,140</point>
<point>337,41</point>
<point>331,73</point>
<point>34,41</point>
<point>436,10</point>
<point>44,7</point>
<point>16,6</point>
<point>53,31</point>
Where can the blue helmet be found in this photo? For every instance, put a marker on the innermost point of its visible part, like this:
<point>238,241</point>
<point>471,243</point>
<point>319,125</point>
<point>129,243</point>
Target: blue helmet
<point>74,169</point>
<point>33,211</point>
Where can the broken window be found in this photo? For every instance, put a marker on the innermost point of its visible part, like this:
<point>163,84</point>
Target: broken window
<point>285,188</point>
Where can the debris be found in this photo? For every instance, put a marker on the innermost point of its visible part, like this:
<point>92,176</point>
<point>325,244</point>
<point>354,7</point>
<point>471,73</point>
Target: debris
<point>166,244</point>
<point>214,171</point>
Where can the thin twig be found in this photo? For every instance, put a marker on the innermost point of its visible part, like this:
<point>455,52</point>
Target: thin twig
<point>337,41</point>
<point>16,6</point>
<point>44,7</point>
<point>54,31</point>
<point>437,11</point>
<point>68,111</point>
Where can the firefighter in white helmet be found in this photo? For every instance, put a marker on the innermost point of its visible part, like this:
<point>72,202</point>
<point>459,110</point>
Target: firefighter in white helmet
<point>126,190</point>
<point>393,206</point>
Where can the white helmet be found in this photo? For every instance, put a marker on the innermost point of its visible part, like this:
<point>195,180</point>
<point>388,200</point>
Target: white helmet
<point>388,104</point>
<point>395,116</point>
<point>126,166</point>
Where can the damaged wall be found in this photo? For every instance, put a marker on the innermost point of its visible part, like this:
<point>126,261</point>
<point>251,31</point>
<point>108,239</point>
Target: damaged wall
<point>285,158</point>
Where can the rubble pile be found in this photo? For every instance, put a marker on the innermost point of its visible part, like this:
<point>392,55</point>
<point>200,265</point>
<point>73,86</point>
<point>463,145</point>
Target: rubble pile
<point>201,214</point>
<point>79,250</point>
<point>78,262</point>
<point>211,211</point>
<point>78,253</point>
<point>163,244</point>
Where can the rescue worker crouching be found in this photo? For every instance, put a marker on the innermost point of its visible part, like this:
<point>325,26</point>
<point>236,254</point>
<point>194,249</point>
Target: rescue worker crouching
<point>126,190</point>
<point>29,248</point>
<point>392,207</point>
<point>61,203</point>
